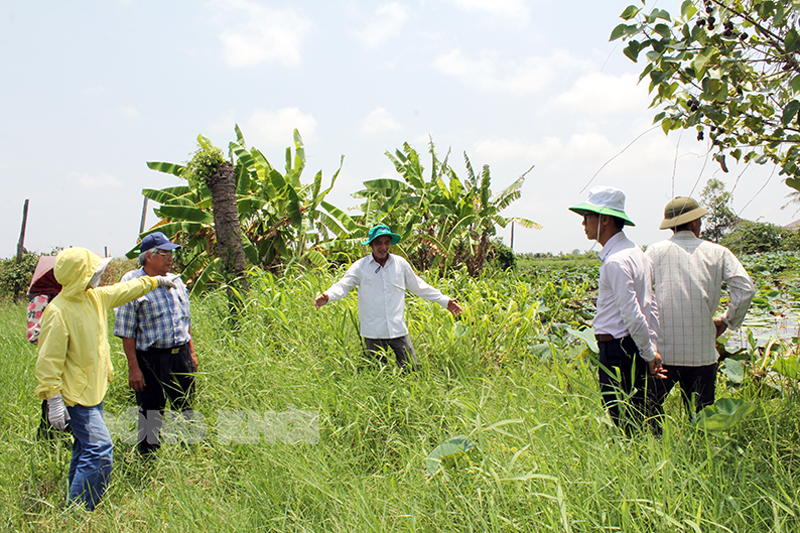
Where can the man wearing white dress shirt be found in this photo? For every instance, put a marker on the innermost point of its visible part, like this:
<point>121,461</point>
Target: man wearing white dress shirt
<point>382,279</point>
<point>688,274</point>
<point>626,324</point>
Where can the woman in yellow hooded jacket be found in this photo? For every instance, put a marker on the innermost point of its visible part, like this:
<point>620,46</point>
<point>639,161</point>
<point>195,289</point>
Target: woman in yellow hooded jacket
<point>73,368</point>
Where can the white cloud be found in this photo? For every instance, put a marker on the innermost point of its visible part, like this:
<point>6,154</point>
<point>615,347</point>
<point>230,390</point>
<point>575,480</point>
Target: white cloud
<point>93,90</point>
<point>129,112</point>
<point>387,22</point>
<point>255,34</point>
<point>94,181</point>
<point>492,72</point>
<point>597,93</point>
<point>264,127</point>
<point>378,121</point>
<point>512,9</point>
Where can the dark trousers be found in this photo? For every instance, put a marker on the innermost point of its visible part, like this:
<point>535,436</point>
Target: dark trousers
<point>623,382</point>
<point>166,375</point>
<point>697,385</point>
<point>401,346</point>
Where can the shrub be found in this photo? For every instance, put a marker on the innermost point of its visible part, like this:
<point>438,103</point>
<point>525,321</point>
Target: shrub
<point>15,276</point>
<point>752,237</point>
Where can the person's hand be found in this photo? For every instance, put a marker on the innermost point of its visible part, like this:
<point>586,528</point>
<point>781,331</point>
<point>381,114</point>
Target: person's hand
<point>720,325</point>
<point>656,370</point>
<point>194,360</point>
<point>136,379</point>
<point>453,307</point>
<point>165,281</point>
<point>57,412</point>
<point>320,300</point>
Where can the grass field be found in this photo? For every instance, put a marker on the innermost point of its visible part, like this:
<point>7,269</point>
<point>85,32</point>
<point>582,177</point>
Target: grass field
<point>506,375</point>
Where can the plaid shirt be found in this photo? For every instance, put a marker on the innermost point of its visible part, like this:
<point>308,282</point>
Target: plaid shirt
<point>688,274</point>
<point>159,319</point>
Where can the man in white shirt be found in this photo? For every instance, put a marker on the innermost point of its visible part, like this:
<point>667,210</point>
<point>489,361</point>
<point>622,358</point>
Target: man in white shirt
<point>626,324</point>
<point>382,279</point>
<point>688,274</point>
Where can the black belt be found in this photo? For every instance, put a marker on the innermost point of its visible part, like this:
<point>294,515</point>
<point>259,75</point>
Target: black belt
<point>173,350</point>
<point>605,337</point>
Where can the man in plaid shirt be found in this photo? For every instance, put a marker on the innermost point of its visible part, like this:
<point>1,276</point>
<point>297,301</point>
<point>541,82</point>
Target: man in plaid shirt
<point>156,333</point>
<point>688,274</point>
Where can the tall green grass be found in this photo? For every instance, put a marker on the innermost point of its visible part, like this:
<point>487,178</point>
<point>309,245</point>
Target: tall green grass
<point>504,374</point>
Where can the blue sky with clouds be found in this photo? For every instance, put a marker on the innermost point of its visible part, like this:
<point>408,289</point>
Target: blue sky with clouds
<point>93,90</point>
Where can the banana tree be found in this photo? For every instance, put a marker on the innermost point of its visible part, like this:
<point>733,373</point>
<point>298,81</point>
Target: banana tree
<point>282,220</point>
<point>444,222</point>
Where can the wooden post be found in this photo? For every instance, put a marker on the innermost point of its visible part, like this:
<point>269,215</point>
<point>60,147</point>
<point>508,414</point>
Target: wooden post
<point>106,251</point>
<point>21,243</point>
<point>512,236</point>
<point>144,215</point>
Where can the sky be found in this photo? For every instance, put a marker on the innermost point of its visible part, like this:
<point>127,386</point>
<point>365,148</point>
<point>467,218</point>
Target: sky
<point>91,91</point>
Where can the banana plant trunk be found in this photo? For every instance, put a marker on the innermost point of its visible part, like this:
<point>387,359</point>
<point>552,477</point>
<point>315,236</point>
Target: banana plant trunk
<point>222,185</point>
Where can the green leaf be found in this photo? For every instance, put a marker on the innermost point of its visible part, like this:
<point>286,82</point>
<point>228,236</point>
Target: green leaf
<point>168,168</point>
<point>795,84</point>
<point>587,336</point>
<point>455,453</point>
<point>662,29</point>
<point>791,41</point>
<point>794,183</point>
<point>724,414</point>
<point>185,213</point>
<point>734,370</point>
<point>622,30</point>
<point>630,12</point>
<point>632,50</point>
<point>789,367</point>
<point>790,112</point>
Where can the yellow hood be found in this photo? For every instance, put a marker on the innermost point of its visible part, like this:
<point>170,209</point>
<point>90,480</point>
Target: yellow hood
<point>74,269</point>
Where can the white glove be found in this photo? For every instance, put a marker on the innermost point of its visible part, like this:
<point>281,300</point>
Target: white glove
<point>57,412</point>
<point>165,281</point>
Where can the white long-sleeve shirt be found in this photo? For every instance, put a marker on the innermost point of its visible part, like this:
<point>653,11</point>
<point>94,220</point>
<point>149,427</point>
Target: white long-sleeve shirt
<point>381,294</point>
<point>688,274</point>
<point>625,302</point>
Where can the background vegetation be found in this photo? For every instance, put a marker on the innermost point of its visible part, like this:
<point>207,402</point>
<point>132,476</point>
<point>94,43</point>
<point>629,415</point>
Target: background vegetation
<point>510,374</point>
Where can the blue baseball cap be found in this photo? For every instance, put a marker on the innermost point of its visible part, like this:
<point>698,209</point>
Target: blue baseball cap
<point>379,230</point>
<point>157,240</point>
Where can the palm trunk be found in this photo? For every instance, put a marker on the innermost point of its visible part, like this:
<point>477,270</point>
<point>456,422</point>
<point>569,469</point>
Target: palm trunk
<point>226,224</point>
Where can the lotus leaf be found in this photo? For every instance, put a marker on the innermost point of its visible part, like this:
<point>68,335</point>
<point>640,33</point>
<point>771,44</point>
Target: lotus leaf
<point>452,453</point>
<point>724,414</point>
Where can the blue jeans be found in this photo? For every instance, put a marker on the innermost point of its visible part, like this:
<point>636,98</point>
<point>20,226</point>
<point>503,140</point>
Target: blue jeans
<point>92,455</point>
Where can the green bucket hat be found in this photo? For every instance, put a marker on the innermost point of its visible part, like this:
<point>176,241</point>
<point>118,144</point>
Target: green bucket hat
<point>604,201</point>
<point>379,230</point>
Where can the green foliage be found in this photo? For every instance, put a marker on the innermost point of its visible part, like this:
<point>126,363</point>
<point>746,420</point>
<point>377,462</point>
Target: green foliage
<point>445,222</point>
<point>724,414</point>
<point>751,237</point>
<point>550,460</point>
<point>720,219</point>
<point>15,276</point>
<point>283,220</point>
<point>205,162</point>
<point>726,68</point>
<point>502,257</point>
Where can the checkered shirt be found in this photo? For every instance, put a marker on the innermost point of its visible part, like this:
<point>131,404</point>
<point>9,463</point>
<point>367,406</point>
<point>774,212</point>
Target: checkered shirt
<point>160,319</point>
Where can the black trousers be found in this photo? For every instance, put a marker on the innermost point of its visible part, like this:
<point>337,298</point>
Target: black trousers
<point>623,383</point>
<point>697,385</point>
<point>401,346</point>
<point>168,373</point>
